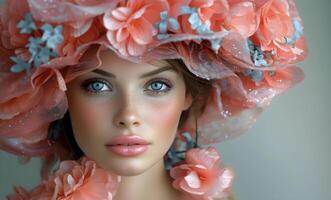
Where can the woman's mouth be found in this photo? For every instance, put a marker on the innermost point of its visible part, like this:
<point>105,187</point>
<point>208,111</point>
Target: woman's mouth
<point>125,145</point>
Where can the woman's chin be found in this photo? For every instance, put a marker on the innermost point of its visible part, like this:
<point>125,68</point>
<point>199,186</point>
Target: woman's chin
<point>127,167</point>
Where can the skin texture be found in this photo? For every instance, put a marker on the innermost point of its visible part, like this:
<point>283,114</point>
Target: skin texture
<point>133,102</point>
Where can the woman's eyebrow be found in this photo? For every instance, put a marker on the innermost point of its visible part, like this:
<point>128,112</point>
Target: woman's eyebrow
<point>151,73</point>
<point>104,73</point>
<point>157,71</point>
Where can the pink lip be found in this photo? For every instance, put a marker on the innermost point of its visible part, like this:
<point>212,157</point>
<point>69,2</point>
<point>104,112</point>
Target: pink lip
<point>128,145</point>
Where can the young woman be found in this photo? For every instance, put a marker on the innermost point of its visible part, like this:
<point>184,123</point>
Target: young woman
<point>123,93</point>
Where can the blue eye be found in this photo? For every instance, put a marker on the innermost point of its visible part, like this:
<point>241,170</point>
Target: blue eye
<point>96,86</point>
<point>157,87</point>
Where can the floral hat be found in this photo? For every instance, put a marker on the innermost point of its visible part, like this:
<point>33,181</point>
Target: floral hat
<point>246,48</point>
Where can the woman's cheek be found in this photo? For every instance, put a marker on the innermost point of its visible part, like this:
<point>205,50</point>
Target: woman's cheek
<point>164,117</point>
<point>87,117</point>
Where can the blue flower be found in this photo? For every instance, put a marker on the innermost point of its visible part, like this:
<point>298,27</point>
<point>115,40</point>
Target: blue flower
<point>43,56</point>
<point>256,75</point>
<point>163,25</point>
<point>39,53</point>
<point>34,46</point>
<point>190,143</point>
<point>298,31</point>
<point>187,10</point>
<point>216,44</point>
<point>177,153</point>
<point>20,65</point>
<point>52,36</point>
<point>27,25</point>
<point>200,27</point>
<point>173,157</point>
<point>257,55</point>
<point>195,20</point>
<point>42,49</point>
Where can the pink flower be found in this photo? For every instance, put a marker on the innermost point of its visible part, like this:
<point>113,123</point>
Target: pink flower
<point>242,18</point>
<point>201,176</point>
<point>238,16</point>
<point>207,11</point>
<point>131,26</point>
<point>74,181</point>
<point>279,22</point>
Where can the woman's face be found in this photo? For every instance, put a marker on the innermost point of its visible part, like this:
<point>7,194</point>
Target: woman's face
<point>124,98</point>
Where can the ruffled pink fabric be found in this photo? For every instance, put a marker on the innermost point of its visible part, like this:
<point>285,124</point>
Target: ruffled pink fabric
<point>77,14</point>
<point>29,103</point>
<point>73,180</point>
<point>202,177</point>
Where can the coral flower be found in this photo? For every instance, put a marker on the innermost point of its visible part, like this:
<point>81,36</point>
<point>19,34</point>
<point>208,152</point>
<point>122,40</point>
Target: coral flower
<point>280,31</point>
<point>201,14</point>
<point>202,177</point>
<point>242,18</point>
<point>131,26</point>
<point>222,15</point>
<point>73,181</point>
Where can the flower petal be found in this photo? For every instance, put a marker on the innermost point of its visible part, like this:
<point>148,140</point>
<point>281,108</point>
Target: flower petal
<point>111,23</point>
<point>142,31</point>
<point>135,49</point>
<point>121,13</point>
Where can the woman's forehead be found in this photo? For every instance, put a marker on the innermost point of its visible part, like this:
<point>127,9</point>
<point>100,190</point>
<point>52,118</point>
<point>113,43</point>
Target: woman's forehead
<point>112,62</point>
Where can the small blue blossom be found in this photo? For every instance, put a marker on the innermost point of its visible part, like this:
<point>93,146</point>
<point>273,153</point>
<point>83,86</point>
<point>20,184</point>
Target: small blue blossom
<point>216,44</point>
<point>259,59</point>
<point>43,56</point>
<point>163,25</point>
<point>52,36</point>
<point>187,10</point>
<point>200,27</point>
<point>27,26</point>
<point>189,140</point>
<point>39,53</point>
<point>34,46</point>
<point>20,65</point>
<point>195,20</point>
<point>256,75</point>
<point>298,32</point>
<point>173,23</point>
<point>173,157</point>
<point>257,55</point>
<point>42,49</point>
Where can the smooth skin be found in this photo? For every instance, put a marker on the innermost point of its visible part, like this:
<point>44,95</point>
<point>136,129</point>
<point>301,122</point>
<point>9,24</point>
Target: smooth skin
<point>125,98</point>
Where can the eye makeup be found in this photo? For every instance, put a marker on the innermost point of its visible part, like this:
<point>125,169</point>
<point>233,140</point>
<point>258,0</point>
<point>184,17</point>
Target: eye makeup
<point>153,87</point>
<point>90,85</point>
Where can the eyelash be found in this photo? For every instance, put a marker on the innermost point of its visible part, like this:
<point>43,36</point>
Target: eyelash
<point>165,83</point>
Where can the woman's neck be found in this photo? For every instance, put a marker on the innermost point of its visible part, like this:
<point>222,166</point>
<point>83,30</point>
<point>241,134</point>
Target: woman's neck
<point>155,183</point>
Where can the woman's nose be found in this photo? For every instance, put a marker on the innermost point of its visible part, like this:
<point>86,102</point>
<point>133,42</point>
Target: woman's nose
<point>127,114</point>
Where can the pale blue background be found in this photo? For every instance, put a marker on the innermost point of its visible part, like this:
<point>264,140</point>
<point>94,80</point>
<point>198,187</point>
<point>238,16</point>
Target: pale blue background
<point>286,155</point>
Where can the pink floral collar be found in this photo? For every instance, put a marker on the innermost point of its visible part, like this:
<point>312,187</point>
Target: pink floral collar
<point>199,177</point>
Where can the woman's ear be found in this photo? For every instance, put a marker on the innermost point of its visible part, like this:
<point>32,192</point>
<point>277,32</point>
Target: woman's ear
<point>188,101</point>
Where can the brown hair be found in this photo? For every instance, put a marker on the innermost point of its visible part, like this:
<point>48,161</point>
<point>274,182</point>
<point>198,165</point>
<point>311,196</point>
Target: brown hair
<point>197,87</point>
